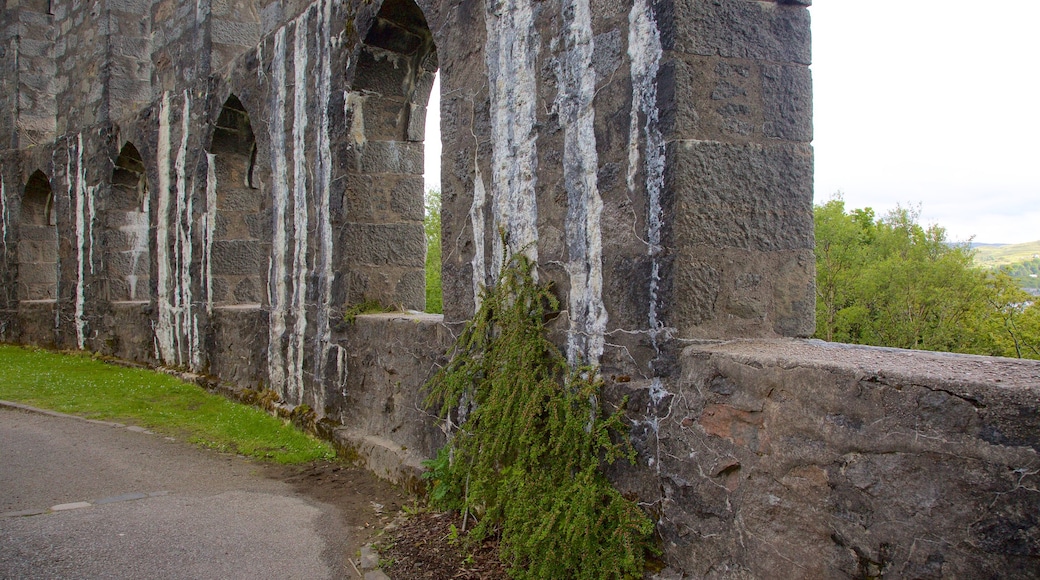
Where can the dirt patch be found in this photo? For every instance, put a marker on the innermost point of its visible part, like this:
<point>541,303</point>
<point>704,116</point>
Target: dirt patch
<point>418,546</point>
<point>366,504</point>
<point>425,546</point>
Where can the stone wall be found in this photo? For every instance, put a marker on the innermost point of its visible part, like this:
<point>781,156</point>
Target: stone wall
<point>226,179</point>
<point>805,459</point>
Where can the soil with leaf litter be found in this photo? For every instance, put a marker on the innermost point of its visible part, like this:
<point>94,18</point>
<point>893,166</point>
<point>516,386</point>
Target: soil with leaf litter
<point>419,546</point>
<point>431,545</point>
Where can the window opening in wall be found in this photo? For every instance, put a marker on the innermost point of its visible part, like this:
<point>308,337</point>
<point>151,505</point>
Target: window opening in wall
<point>432,212</point>
<point>38,242</point>
<point>392,86</point>
<point>240,239</point>
<point>127,230</point>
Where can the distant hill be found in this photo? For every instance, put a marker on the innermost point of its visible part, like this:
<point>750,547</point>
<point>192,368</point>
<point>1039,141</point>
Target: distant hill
<point>995,255</point>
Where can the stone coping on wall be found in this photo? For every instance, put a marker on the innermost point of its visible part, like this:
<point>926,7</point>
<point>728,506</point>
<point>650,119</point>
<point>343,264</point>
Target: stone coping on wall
<point>899,365</point>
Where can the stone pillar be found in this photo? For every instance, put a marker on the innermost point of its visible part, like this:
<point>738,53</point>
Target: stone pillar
<point>27,74</point>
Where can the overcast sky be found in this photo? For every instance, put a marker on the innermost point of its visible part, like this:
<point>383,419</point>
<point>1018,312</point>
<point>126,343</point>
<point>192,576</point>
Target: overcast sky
<point>930,103</point>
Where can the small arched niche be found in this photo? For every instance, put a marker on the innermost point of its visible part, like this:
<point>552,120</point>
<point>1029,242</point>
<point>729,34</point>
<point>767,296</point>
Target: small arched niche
<point>395,73</point>
<point>128,230</point>
<point>38,242</point>
<point>240,237</point>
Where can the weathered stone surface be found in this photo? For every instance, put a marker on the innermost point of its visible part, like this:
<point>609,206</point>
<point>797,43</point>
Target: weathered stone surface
<point>787,102</point>
<point>858,461</point>
<point>386,356</point>
<point>400,244</point>
<point>764,31</point>
<point>750,197</point>
<point>237,257</point>
<point>392,157</point>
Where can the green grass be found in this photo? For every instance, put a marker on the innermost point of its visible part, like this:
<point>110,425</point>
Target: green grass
<point>79,385</point>
<point>992,256</point>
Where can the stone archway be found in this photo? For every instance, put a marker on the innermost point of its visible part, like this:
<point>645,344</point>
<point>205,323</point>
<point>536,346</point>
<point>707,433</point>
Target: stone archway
<point>240,237</point>
<point>387,101</point>
<point>38,243</point>
<point>128,230</point>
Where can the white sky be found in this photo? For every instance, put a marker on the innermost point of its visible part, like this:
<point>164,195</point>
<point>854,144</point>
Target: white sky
<point>920,102</point>
<point>432,149</point>
<point>931,102</point>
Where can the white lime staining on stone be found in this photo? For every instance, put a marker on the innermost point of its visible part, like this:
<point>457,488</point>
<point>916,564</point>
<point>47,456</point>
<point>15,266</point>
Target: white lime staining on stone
<point>209,227</point>
<point>511,55</point>
<point>163,325</point>
<point>185,327</point>
<point>322,184</point>
<point>476,218</point>
<point>644,52</point>
<point>78,187</point>
<point>354,109</point>
<point>176,329</point>
<point>4,219</point>
<point>277,291</point>
<point>298,305</point>
<point>135,227</point>
<point>577,82</point>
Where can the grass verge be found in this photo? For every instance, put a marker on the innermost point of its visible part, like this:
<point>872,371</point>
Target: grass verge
<point>80,385</point>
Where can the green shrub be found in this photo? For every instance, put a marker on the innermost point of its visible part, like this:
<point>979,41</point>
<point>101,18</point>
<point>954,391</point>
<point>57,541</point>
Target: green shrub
<point>528,452</point>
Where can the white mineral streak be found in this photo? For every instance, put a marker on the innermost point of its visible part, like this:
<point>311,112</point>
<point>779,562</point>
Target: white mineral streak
<point>298,307</point>
<point>185,327</point>
<point>209,226</point>
<point>577,81</point>
<point>277,290</point>
<point>260,63</point>
<point>136,229</point>
<point>341,369</point>
<point>512,52</point>
<point>176,330</point>
<point>476,218</point>
<point>3,215</point>
<point>354,109</point>
<point>323,178</point>
<point>644,52</point>
<point>79,189</point>
<point>164,350</point>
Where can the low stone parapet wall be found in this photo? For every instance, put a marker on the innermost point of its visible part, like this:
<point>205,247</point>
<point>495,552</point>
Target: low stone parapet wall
<point>806,459</point>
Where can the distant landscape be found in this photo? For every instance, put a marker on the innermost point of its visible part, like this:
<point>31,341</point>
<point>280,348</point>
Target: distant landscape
<point>993,255</point>
<point>1020,261</point>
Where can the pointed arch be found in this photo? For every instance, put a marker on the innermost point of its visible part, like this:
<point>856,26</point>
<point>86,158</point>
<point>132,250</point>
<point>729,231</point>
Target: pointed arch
<point>239,238</point>
<point>38,241</point>
<point>391,87</point>
<point>128,229</point>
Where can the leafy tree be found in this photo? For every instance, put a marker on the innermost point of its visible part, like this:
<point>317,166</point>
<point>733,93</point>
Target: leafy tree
<point>1014,325</point>
<point>891,282</point>
<point>432,227</point>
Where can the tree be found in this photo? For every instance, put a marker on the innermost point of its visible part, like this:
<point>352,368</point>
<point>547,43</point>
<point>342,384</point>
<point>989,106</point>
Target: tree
<point>432,228</point>
<point>1014,326</point>
<point>892,282</point>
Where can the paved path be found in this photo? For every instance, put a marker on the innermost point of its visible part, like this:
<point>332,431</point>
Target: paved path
<point>83,499</point>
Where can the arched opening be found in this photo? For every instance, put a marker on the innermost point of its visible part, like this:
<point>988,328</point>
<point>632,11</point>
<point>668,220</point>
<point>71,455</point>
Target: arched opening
<point>388,102</point>
<point>38,242</point>
<point>240,235</point>
<point>127,230</point>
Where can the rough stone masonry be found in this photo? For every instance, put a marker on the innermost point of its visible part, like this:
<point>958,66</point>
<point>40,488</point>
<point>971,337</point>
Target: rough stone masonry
<point>208,185</point>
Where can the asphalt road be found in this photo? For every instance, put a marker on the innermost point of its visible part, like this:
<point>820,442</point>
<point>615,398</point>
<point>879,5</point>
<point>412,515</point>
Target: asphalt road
<point>82,499</point>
